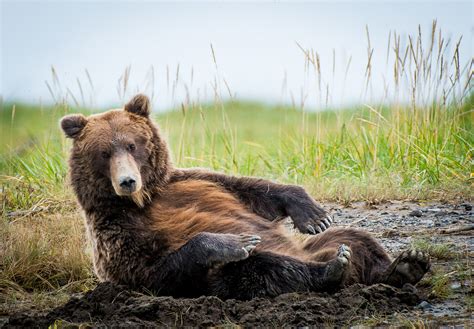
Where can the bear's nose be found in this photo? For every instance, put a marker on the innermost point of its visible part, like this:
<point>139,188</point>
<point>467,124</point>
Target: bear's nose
<point>127,182</point>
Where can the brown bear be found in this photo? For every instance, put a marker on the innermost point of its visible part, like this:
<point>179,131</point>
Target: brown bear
<point>191,232</point>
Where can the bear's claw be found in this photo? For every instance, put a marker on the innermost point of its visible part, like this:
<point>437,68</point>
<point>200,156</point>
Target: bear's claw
<point>250,242</point>
<point>337,268</point>
<point>308,217</point>
<point>319,226</point>
<point>226,248</point>
<point>344,254</point>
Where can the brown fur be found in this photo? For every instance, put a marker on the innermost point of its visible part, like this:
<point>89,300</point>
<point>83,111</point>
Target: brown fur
<point>187,232</point>
<point>189,207</point>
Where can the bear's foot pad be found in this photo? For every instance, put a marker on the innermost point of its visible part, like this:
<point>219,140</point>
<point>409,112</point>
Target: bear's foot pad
<point>409,267</point>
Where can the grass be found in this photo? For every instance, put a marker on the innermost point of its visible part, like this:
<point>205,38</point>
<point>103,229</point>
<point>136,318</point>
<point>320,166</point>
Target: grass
<point>443,251</point>
<point>455,267</point>
<point>353,154</point>
<point>44,258</point>
<point>422,149</point>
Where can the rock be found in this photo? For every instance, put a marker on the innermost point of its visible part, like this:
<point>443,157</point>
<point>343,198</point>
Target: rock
<point>467,206</point>
<point>424,305</point>
<point>428,223</point>
<point>416,213</point>
<point>441,214</point>
<point>409,288</point>
<point>390,233</point>
<point>456,285</point>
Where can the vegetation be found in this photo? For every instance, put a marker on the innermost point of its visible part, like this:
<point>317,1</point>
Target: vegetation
<point>361,153</point>
<point>435,250</point>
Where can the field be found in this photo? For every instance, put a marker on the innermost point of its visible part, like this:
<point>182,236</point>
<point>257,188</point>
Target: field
<point>402,170</point>
<point>362,154</point>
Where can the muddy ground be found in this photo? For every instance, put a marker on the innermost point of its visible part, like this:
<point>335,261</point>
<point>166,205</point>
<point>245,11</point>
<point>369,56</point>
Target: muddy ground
<point>444,297</point>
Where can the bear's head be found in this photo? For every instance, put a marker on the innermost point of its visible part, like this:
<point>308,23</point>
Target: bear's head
<point>118,157</point>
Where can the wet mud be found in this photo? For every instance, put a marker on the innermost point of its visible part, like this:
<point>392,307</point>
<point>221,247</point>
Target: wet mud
<point>111,305</point>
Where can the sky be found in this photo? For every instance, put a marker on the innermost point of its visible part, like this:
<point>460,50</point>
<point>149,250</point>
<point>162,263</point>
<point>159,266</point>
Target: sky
<point>82,50</point>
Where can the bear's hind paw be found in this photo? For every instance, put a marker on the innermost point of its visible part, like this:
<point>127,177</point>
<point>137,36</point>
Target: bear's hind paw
<point>337,268</point>
<point>409,267</point>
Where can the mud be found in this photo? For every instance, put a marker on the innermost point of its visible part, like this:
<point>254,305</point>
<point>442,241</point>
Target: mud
<point>110,305</point>
<point>398,224</point>
<point>395,224</point>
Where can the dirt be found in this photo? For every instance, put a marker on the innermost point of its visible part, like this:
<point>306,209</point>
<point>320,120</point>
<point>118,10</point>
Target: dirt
<point>111,305</point>
<point>396,224</point>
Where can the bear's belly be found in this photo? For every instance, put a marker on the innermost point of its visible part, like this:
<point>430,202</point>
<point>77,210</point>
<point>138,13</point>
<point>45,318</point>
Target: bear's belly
<point>189,208</point>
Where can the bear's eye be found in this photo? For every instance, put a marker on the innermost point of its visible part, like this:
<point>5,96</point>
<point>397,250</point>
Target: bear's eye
<point>105,155</point>
<point>131,147</point>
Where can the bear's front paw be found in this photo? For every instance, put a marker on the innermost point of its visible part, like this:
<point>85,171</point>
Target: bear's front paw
<point>307,216</point>
<point>226,248</point>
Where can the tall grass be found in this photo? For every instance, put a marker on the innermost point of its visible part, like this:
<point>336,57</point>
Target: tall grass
<point>417,147</point>
<point>360,153</point>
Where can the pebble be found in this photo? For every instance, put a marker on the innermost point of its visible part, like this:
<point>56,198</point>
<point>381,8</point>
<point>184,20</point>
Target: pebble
<point>429,223</point>
<point>424,305</point>
<point>467,206</point>
<point>446,221</point>
<point>416,213</point>
<point>408,287</point>
<point>456,285</point>
<point>441,214</point>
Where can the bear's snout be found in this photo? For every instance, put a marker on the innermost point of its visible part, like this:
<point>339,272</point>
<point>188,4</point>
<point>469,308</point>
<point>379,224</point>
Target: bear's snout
<point>125,175</point>
<point>127,183</point>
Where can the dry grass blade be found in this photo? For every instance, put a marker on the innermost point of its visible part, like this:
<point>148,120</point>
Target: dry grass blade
<point>213,56</point>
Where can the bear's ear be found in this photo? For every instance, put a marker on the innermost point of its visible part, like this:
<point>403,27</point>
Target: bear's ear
<point>73,124</point>
<point>140,105</point>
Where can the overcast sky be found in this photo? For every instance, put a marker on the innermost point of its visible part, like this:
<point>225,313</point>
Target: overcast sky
<point>254,44</point>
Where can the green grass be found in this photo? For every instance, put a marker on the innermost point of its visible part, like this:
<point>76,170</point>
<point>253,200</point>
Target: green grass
<point>443,251</point>
<point>359,153</point>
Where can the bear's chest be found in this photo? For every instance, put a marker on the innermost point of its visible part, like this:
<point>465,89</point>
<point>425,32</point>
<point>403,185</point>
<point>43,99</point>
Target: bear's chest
<point>100,253</point>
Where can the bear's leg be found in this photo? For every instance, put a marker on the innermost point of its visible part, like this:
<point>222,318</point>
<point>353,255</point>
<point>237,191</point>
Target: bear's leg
<point>370,263</point>
<point>184,272</point>
<point>265,274</point>
<point>369,259</point>
<point>267,199</point>
<point>409,267</point>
